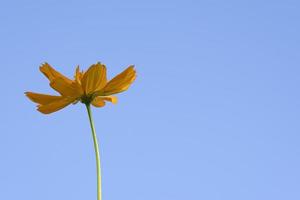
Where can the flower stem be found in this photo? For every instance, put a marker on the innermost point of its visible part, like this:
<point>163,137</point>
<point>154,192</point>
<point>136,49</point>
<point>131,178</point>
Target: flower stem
<point>96,147</point>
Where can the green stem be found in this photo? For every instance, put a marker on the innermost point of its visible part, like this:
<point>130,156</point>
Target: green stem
<point>96,147</point>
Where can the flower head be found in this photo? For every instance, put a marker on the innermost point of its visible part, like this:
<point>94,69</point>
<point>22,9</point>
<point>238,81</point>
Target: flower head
<point>90,87</point>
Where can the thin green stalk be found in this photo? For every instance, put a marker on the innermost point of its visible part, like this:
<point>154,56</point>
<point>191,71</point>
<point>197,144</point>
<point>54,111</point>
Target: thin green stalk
<point>96,147</point>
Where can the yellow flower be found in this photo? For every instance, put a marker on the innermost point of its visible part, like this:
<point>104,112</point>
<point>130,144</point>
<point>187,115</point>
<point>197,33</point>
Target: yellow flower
<point>90,87</point>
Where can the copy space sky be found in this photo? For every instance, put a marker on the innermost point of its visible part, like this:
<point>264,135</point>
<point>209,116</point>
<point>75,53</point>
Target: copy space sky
<point>213,113</point>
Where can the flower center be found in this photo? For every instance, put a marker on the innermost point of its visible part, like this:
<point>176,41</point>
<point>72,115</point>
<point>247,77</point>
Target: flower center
<point>86,99</point>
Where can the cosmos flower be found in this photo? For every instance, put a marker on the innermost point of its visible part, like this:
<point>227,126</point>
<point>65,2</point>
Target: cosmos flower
<point>90,87</point>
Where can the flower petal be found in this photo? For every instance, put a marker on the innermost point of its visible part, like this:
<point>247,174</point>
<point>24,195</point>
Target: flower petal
<point>59,82</point>
<point>112,99</point>
<point>94,78</point>
<point>52,74</point>
<point>42,98</point>
<point>68,90</point>
<point>55,105</point>
<point>78,75</point>
<point>98,102</point>
<point>120,83</point>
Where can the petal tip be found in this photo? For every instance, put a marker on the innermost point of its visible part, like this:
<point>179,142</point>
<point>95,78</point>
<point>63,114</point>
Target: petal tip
<point>29,95</point>
<point>42,111</point>
<point>43,65</point>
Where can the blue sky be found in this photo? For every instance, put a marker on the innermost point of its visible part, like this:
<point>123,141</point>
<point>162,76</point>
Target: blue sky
<point>213,114</point>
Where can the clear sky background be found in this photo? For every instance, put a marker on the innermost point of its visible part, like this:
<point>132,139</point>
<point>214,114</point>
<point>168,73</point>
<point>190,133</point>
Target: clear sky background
<point>213,115</point>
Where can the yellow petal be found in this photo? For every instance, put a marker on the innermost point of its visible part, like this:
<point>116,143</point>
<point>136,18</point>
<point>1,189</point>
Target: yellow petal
<point>42,98</point>
<point>52,74</point>
<point>94,78</point>
<point>59,82</point>
<point>55,105</point>
<point>78,75</point>
<point>111,99</point>
<point>120,83</point>
<point>68,90</point>
<point>98,102</point>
